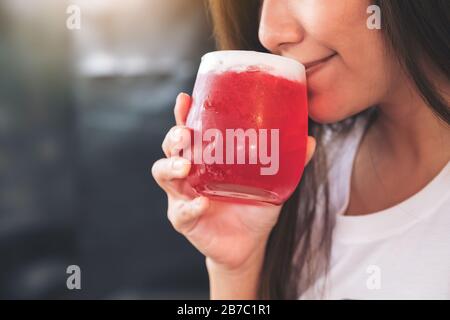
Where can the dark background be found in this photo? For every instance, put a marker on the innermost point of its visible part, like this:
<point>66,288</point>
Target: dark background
<point>82,116</point>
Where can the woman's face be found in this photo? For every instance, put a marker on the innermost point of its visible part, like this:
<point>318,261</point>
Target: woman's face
<point>348,68</point>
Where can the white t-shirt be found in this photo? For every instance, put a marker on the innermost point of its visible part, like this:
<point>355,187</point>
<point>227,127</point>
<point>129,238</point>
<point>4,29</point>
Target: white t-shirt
<point>402,252</point>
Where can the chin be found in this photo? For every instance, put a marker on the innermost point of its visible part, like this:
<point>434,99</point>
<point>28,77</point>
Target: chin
<point>325,110</point>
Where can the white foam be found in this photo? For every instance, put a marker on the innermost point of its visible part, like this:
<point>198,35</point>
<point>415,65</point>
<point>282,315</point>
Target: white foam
<point>240,60</point>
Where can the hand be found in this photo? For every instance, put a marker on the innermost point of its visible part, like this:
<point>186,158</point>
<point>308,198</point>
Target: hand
<point>228,234</point>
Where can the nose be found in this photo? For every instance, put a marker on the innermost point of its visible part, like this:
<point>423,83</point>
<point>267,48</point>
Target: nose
<point>279,28</point>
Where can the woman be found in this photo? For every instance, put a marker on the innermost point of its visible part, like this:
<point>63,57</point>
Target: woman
<point>371,216</point>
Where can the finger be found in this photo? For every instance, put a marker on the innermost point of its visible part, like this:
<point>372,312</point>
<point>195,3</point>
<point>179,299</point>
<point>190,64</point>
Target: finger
<point>183,215</point>
<point>310,148</point>
<point>175,140</point>
<point>167,173</point>
<point>182,106</point>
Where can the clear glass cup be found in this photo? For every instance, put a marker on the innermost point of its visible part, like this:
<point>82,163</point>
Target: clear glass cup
<point>249,124</point>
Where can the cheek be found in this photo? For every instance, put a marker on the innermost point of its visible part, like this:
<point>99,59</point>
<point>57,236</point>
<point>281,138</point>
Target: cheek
<point>358,77</point>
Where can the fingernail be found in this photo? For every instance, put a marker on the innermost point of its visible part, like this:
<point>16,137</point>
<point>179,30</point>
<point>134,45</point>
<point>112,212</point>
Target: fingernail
<point>178,164</point>
<point>178,97</point>
<point>181,94</point>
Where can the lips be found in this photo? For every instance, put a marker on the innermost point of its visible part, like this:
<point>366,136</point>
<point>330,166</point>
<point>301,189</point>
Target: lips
<point>314,64</point>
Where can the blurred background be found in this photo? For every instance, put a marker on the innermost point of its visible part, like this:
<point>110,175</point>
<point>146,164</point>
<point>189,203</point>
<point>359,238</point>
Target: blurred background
<point>83,111</point>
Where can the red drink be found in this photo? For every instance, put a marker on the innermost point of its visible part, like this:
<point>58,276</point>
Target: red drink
<point>249,120</point>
